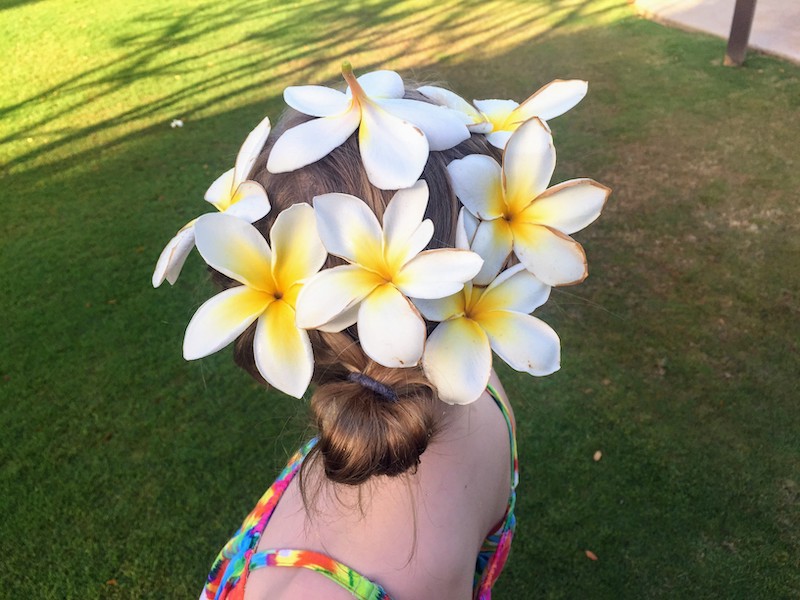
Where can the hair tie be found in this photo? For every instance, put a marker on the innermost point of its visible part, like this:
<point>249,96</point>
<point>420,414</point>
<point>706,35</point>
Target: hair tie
<point>375,386</point>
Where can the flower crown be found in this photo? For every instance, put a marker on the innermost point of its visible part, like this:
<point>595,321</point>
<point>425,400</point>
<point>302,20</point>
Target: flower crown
<point>390,282</point>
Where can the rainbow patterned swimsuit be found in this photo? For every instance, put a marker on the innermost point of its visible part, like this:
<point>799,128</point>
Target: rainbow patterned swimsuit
<point>229,572</point>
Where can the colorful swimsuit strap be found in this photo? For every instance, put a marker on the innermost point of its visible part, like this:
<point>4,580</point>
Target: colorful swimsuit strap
<point>494,550</point>
<point>512,436</point>
<point>229,570</point>
<point>358,585</point>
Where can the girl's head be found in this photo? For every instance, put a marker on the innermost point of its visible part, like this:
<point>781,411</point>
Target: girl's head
<point>362,432</point>
<point>375,418</point>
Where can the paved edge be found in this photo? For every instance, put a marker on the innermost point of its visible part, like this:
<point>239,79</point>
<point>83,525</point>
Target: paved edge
<point>657,18</point>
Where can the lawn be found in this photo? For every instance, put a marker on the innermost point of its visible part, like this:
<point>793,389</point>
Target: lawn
<point>123,468</point>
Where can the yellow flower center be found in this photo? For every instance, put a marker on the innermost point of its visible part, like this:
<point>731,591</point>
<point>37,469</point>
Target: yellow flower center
<point>471,298</point>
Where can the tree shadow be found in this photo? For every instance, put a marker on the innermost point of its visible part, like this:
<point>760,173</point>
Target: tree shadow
<point>7,4</point>
<point>285,49</point>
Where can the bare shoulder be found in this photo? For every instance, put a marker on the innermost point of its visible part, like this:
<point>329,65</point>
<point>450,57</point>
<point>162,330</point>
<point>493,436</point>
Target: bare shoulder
<point>418,535</point>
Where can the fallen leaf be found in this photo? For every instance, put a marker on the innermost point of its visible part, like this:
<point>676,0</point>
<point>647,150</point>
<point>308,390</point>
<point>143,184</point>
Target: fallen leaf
<point>111,582</point>
<point>590,555</point>
<point>597,456</point>
<point>661,367</point>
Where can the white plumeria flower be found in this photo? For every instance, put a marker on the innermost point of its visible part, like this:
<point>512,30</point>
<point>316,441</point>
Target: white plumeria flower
<point>386,267</point>
<point>510,208</point>
<point>498,119</point>
<point>232,194</point>
<point>477,320</point>
<point>271,280</point>
<point>394,134</point>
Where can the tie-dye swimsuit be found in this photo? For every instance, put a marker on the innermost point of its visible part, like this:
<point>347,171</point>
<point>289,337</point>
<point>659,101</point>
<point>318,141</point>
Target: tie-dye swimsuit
<point>229,572</point>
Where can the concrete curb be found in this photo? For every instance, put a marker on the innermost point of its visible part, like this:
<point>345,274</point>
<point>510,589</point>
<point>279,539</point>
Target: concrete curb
<point>776,25</point>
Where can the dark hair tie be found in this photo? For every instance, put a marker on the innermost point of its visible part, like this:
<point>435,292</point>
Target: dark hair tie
<point>375,386</point>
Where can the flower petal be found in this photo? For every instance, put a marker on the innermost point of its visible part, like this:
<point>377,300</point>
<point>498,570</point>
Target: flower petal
<point>235,248</point>
<point>346,319</point>
<point>250,202</point>
<point>493,242</point>
<point>496,111</point>
<point>248,153</point>
<point>499,139</point>
<point>484,127</point>
<point>437,273</point>
<point>551,100</point>
<point>221,319</point>
<point>525,343</point>
<point>348,228</point>
<point>405,212</point>
<point>308,142</point>
<point>466,226</point>
<point>553,257</point>
<point>390,328</point>
<point>444,97</point>
<point>220,192</point>
<point>331,292</point>
<point>442,126</point>
<point>394,151</point>
<point>415,244</point>
<point>528,164</point>
<point>458,361</point>
<point>297,251</point>
<point>174,254</point>
<point>477,183</point>
<point>316,100</point>
<point>569,206</point>
<point>514,289</point>
<point>282,351</point>
<point>441,309</point>
<point>382,84</point>
<point>401,220</point>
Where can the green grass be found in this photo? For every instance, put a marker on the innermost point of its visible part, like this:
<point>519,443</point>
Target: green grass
<point>123,469</point>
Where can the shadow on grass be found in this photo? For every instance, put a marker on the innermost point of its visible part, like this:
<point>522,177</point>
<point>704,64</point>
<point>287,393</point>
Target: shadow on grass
<point>290,42</point>
<point>143,464</point>
<point>7,4</point>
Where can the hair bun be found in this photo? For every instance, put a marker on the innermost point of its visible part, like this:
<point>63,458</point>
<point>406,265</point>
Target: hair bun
<point>372,420</point>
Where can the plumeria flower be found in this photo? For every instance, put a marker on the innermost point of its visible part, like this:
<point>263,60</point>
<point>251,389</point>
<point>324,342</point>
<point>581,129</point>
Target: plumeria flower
<point>271,280</point>
<point>510,208</point>
<point>498,119</point>
<point>394,134</point>
<point>386,267</point>
<point>232,194</point>
<point>477,320</point>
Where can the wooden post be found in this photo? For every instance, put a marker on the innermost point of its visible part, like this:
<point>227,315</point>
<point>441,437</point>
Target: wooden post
<point>740,32</point>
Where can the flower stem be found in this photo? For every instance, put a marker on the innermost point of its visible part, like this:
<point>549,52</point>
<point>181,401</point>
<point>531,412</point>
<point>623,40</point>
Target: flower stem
<point>352,82</point>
